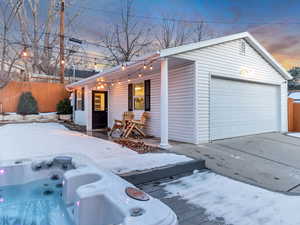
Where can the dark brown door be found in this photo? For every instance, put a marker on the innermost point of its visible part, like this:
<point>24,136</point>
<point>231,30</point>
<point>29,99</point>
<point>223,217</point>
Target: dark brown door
<point>99,105</point>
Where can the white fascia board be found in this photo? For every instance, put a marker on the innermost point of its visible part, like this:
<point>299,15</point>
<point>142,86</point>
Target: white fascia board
<point>256,45</point>
<point>110,71</point>
<point>245,35</point>
<point>202,44</point>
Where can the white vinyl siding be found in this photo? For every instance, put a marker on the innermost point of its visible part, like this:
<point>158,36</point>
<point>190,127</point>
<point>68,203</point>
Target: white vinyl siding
<point>242,108</point>
<point>118,104</point>
<point>79,117</point>
<point>181,104</point>
<point>225,60</point>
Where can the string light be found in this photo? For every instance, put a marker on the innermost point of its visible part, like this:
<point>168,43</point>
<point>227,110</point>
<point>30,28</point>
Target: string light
<point>112,84</point>
<point>145,67</point>
<point>151,67</point>
<point>140,75</point>
<point>129,80</point>
<point>123,67</point>
<point>62,61</point>
<point>24,52</point>
<point>119,82</point>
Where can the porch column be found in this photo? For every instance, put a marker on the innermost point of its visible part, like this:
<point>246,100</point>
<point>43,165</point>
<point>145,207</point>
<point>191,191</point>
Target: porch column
<point>88,107</point>
<point>164,107</point>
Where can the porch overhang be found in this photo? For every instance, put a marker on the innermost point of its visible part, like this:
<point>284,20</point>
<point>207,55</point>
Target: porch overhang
<point>131,72</point>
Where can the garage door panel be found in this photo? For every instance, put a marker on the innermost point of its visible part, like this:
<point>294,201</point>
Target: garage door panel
<point>242,108</point>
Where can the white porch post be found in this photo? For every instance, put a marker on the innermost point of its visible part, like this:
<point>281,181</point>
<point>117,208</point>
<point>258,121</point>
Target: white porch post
<point>164,107</point>
<point>88,107</point>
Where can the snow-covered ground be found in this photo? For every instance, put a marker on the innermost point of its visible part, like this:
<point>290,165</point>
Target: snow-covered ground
<point>238,203</point>
<point>40,139</point>
<point>296,134</point>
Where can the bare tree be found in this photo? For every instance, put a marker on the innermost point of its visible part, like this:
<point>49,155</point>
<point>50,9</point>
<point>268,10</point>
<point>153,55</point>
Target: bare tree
<point>8,11</point>
<point>172,33</point>
<point>40,35</point>
<point>201,31</point>
<point>127,37</point>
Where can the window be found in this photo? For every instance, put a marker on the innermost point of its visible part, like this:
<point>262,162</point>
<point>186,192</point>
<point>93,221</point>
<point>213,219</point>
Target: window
<point>139,96</point>
<point>99,102</point>
<point>80,99</point>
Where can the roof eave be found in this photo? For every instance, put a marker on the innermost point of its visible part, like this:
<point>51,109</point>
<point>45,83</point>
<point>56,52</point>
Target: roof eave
<point>88,80</point>
<point>254,43</point>
<point>190,47</point>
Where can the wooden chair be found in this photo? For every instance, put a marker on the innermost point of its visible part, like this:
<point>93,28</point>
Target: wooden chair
<point>136,126</point>
<point>122,124</point>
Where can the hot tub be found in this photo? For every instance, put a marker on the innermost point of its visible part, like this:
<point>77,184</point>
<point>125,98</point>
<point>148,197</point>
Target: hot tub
<point>71,190</point>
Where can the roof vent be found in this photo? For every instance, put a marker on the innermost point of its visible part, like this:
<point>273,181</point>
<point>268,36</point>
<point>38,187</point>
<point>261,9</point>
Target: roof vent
<point>243,48</point>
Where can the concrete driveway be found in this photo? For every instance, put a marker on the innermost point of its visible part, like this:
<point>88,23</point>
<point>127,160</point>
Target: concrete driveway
<point>270,160</point>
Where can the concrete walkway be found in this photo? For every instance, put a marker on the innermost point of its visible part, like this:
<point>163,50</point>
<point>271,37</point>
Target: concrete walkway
<point>270,160</point>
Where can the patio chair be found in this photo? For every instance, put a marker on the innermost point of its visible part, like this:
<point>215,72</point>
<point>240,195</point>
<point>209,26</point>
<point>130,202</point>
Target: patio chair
<point>122,124</point>
<point>136,126</point>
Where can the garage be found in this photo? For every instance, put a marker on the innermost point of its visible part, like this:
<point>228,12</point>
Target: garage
<point>240,108</point>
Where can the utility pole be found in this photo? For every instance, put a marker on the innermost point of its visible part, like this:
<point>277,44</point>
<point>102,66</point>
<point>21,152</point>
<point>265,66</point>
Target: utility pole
<point>62,41</point>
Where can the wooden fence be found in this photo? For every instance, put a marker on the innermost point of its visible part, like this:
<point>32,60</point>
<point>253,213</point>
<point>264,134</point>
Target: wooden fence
<point>46,94</point>
<point>293,115</point>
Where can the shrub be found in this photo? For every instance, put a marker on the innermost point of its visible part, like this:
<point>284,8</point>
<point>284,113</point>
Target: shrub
<point>27,104</point>
<point>64,107</point>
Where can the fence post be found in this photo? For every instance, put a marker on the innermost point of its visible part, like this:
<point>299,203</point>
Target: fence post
<point>290,114</point>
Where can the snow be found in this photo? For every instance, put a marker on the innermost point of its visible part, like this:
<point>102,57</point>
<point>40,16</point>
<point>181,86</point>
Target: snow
<point>43,114</point>
<point>41,139</point>
<point>238,203</point>
<point>48,114</point>
<point>296,134</point>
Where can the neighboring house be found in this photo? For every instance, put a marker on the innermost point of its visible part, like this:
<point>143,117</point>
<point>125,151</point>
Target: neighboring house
<point>196,93</point>
<point>69,76</point>
<point>18,74</point>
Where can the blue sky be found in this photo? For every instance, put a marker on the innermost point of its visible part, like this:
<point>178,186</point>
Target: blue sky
<point>263,18</point>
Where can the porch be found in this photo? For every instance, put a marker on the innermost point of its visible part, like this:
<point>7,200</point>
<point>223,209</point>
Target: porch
<point>108,95</point>
<point>181,148</point>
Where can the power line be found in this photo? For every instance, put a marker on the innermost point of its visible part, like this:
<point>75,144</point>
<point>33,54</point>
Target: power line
<point>188,21</point>
<point>93,59</point>
<point>92,55</point>
<point>89,59</point>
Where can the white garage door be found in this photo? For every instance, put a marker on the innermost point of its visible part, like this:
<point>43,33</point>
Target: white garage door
<point>242,108</point>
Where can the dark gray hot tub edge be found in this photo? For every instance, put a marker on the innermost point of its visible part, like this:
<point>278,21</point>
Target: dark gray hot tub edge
<point>164,172</point>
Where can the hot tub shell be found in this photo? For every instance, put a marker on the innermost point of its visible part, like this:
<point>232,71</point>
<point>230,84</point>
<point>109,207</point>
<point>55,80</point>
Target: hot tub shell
<point>93,196</point>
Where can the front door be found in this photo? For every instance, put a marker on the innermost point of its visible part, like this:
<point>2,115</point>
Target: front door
<point>99,105</point>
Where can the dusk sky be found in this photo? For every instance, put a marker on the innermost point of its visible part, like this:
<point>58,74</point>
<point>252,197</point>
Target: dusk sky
<point>274,23</point>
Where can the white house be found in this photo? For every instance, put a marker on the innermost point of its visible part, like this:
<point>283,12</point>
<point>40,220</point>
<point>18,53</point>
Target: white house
<point>196,93</point>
